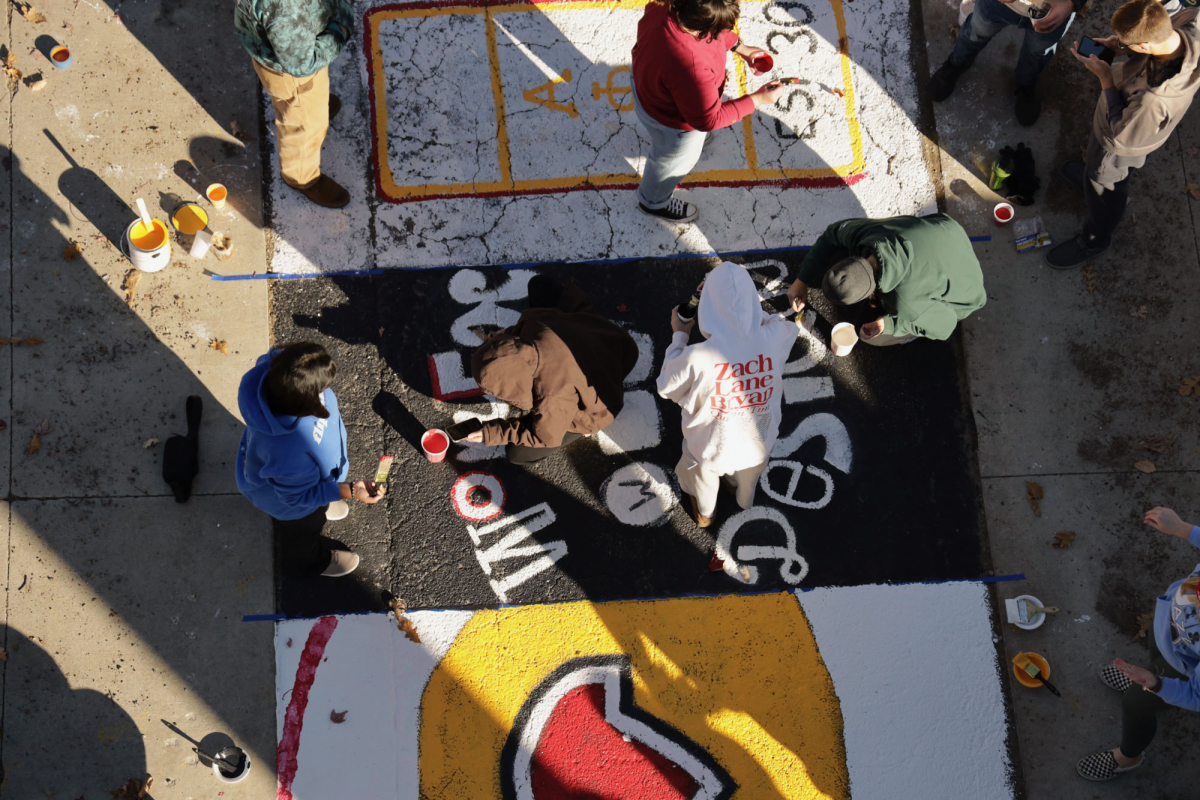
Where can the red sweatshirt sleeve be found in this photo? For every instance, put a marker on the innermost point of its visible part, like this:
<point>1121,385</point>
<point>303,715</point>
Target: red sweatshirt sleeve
<point>698,98</point>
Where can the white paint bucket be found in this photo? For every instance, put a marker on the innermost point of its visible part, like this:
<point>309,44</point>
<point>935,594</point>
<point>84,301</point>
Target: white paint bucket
<point>843,337</point>
<point>148,250</point>
<point>240,776</point>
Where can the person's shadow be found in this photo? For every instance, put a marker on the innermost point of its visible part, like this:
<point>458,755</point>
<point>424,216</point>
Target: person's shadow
<point>92,199</point>
<point>73,742</point>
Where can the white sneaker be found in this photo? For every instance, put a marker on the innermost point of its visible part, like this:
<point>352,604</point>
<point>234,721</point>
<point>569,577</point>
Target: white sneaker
<point>338,509</point>
<point>341,562</point>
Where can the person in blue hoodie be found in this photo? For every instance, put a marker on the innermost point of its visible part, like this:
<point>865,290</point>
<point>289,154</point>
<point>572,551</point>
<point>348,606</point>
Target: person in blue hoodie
<point>292,460</point>
<point>1172,680</point>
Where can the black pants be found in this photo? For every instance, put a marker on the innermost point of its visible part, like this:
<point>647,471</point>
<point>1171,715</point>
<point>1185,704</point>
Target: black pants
<point>1139,708</point>
<point>300,545</point>
<point>1104,211</point>
<point>520,454</point>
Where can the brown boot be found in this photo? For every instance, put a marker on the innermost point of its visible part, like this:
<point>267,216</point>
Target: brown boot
<point>326,192</point>
<point>701,520</point>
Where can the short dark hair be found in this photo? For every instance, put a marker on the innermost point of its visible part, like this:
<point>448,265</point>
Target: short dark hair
<point>1142,22</point>
<point>709,18</point>
<point>298,374</point>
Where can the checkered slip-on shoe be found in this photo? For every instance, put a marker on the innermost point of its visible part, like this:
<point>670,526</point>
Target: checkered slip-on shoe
<point>1114,679</point>
<point>1103,766</point>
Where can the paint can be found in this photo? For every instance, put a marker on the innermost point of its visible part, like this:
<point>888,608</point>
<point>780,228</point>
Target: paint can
<point>435,443</point>
<point>217,194</point>
<point>148,250</point>
<point>60,57</point>
<point>843,337</point>
<point>234,755</point>
<point>189,218</point>
<point>763,64</point>
<point>1002,214</point>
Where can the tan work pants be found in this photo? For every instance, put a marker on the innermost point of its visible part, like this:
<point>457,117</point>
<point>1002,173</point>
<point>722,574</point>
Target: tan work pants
<point>302,120</point>
<point>703,484</point>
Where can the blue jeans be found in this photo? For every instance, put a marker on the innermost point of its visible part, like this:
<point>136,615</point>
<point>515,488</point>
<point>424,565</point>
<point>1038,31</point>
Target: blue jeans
<point>989,18</point>
<point>672,155</point>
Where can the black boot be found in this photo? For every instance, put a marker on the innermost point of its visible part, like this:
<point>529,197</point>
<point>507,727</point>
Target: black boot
<point>1028,107</point>
<point>941,85</point>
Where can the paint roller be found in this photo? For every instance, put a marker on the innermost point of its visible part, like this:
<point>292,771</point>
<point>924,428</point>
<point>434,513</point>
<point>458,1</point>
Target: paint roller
<point>1021,610</point>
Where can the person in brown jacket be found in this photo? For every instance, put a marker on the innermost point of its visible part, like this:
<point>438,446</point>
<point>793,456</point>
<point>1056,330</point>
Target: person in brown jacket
<point>562,363</point>
<point>1142,102</point>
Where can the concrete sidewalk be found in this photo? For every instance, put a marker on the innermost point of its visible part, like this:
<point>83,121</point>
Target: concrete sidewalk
<point>122,607</point>
<point>1069,372</point>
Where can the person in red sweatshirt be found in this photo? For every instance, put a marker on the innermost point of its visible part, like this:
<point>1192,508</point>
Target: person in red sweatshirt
<point>678,77</point>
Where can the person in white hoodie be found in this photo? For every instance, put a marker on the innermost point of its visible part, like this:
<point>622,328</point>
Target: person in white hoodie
<point>728,387</point>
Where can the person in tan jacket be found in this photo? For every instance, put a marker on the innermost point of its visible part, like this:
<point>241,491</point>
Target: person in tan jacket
<point>562,363</point>
<point>1143,101</point>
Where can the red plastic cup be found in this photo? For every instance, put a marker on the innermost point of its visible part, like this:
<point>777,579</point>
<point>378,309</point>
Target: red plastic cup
<point>763,64</point>
<point>435,443</point>
<point>1002,214</point>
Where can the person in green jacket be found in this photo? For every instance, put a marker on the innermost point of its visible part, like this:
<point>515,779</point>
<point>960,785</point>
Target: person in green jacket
<point>910,276</point>
<point>291,44</point>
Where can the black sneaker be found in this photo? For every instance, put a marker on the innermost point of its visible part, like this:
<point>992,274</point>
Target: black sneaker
<point>1075,173</point>
<point>941,85</point>
<point>335,105</point>
<point>1028,108</point>
<point>1073,253</point>
<point>1103,766</point>
<point>674,211</point>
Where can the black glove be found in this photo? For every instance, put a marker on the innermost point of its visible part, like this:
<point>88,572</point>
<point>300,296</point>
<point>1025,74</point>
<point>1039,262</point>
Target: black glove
<point>1022,183</point>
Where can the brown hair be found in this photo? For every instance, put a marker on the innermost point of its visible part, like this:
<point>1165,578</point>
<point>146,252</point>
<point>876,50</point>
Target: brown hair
<point>299,374</point>
<point>709,18</point>
<point>1142,22</point>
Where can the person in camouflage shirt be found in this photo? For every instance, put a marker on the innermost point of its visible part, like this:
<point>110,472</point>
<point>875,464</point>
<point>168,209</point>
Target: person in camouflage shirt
<point>291,44</point>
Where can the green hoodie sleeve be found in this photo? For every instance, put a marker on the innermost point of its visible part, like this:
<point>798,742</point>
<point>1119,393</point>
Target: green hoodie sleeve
<point>297,37</point>
<point>938,322</point>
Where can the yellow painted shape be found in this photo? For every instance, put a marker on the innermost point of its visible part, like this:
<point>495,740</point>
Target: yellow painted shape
<point>739,675</point>
<point>151,239</point>
<point>612,91</point>
<point>190,219</point>
<point>550,101</point>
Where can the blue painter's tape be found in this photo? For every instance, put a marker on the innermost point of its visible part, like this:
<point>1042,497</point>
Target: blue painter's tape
<point>275,276</point>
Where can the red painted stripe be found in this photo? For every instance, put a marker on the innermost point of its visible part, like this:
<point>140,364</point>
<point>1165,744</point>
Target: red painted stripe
<point>293,720</point>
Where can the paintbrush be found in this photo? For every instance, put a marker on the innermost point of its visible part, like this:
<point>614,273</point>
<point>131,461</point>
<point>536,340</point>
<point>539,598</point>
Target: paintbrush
<point>1023,663</point>
<point>1021,610</point>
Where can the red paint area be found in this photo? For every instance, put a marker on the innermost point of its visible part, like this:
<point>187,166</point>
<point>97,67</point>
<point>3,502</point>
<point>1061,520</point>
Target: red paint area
<point>580,756</point>
<point>293,719</point>
<point>434,442</point>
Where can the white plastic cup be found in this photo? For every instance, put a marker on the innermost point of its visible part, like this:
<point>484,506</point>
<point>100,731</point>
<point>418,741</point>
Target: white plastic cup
<point>1003,214</point>
<point>435,442</point>
<point>843,337</point>
<point>200,244</point>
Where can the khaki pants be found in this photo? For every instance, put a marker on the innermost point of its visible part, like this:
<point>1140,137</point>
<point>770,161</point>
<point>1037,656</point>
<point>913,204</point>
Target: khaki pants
<point>302,120</point>
<point>704,484</point>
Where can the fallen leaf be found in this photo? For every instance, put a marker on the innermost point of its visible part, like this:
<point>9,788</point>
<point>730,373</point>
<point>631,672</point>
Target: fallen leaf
<point>1063,539</point>
<point>1189,385</point>
<point>1144,622</point>
<point>1034,493</point>
<point>149,443</point>
<point>1144,466</point>
<point>837,92</point>
<point>1089,277</point>
<point>409,629</point>
<point>744,572</point>
<point>35,444</point>
<point>954,30</point>
<point>716,564</point>
<point>1162,445</point>
<point>31,340</point>
<point>30,13</point>
<point>35,78</point>
<point>1139,312</point>
<point>220,345</point>
<point>130,285</point>
<point>72,251</point>
<point>3,655</point>
<point>338,717</point>
<point>44,428</point>
<point>289,642</point>
<point>1193,189</point>
<point>3,425</point>
<point>398,607</point>
<point>134,789</point>
<point>237,130</point>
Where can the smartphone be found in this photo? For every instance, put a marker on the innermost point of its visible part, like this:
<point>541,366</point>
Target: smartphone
<point>1090,47</point>
<point>464,429</point>
<point>381,473</point>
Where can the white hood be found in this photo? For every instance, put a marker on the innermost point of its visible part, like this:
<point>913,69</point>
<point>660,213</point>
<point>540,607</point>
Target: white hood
<point>729,304</point>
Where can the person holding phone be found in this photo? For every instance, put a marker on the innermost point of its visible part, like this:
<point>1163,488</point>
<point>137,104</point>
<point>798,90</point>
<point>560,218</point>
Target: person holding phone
<point>1044,21</point>
<point>677,80</point>
<point>292,461</point>
<point>1142,101</point>
<point>1171,680</point>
